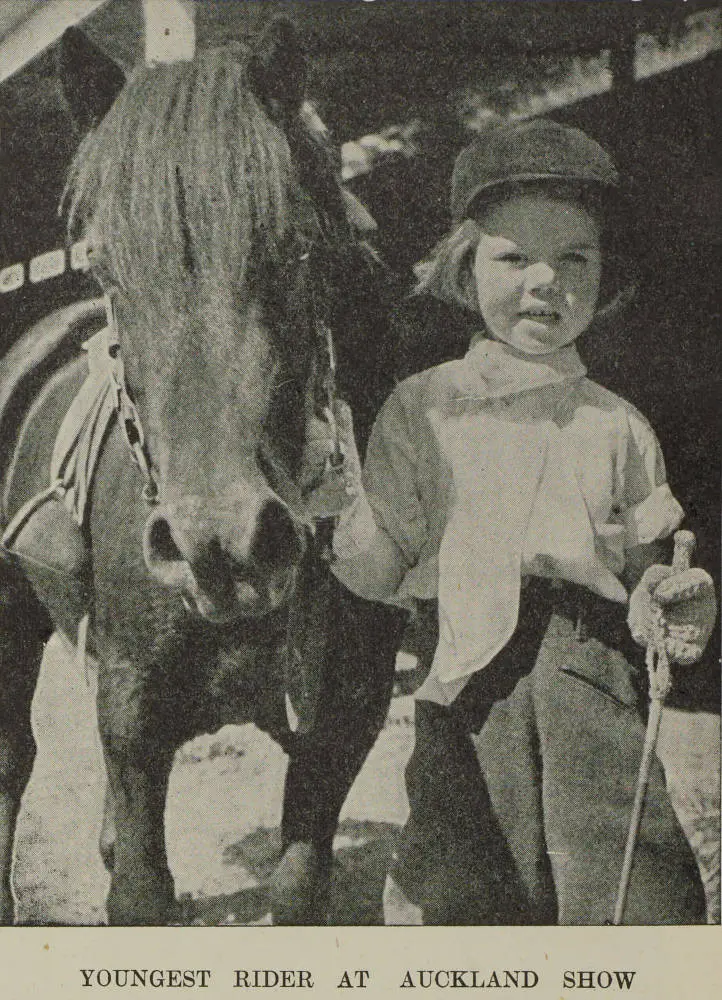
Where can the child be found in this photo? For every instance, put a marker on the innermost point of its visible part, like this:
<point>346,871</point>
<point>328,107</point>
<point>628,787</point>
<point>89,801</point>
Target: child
<point>514,505</point>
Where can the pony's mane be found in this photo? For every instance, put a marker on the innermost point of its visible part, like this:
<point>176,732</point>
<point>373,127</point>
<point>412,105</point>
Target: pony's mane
<point>184,183</point>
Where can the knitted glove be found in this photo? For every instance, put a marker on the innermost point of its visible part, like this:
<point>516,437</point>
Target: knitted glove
<point>678,608</point>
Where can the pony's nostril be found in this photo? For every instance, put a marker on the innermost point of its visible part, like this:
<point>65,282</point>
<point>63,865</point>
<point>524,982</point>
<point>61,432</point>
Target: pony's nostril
<point>277,541</point>
<point>163,556</point>
<point>225,563</point>
<point>160,545</point>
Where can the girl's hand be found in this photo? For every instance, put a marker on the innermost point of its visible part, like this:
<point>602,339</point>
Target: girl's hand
<point>330,479</point>
<point>678,608</point>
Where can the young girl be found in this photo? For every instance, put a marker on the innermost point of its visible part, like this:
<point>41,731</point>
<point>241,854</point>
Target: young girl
<point>514,505</point>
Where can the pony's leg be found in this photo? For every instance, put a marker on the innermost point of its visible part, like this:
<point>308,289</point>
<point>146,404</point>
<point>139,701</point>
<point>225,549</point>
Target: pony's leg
<point>355,696</point>
<point>138,764</point>
<point>24,629</point>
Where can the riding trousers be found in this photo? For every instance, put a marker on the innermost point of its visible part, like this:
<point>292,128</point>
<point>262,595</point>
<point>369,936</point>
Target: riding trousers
<point>521,791</point>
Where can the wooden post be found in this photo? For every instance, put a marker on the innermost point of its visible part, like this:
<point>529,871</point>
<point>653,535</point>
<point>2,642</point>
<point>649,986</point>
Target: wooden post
<point>621,63</point>
<point>622,104</point>
<point>170,32</point>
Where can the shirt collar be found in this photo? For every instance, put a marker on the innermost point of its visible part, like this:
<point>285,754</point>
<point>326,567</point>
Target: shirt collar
<point>495,369</point>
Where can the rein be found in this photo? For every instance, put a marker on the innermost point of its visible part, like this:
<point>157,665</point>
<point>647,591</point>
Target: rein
<point>325,526</point>
<point>330,394</point>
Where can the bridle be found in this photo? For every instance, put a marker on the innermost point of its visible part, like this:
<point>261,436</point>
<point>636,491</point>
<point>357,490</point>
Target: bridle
<point>309,243</point>
<point>128,416</point>
<point>325,392</point>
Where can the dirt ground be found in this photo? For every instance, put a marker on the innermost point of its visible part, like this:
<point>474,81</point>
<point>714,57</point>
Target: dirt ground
<point>224,809</point>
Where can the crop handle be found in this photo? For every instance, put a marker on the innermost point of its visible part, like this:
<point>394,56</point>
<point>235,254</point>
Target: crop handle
<point>684,544</point>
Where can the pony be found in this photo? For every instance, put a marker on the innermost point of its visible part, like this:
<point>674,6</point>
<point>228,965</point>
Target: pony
<point>220,236</point>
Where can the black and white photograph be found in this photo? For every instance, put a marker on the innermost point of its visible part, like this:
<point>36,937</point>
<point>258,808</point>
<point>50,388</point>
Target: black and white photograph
<point>359,450</point>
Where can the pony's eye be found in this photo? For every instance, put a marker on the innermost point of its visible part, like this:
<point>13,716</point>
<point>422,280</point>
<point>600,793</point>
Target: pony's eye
<point>517,259</point>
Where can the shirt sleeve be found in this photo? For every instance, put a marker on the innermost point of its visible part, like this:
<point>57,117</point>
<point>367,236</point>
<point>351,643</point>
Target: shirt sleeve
<point>390,477</point>
<point>380,538</point>
<point>651,511</point>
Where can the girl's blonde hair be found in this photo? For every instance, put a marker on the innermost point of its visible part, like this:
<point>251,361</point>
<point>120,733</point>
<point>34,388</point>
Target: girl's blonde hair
<point>447,272</point>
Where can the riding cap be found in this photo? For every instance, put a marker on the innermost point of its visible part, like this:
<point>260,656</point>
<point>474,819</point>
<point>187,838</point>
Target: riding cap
<point>536,150</point>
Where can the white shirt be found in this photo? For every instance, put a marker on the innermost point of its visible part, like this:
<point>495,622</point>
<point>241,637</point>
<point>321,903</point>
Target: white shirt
<point>490,467</point>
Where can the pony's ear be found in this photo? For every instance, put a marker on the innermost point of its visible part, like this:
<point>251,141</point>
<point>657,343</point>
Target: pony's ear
<point>91,80</point>
<point>277,69</point>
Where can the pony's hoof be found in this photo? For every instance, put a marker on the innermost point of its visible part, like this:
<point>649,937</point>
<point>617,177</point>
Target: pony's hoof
<point>300,887</point>
<point>399,911</point>
<point>146,900</point>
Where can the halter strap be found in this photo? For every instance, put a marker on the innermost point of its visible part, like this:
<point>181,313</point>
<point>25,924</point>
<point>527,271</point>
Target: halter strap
<point>128,415</point>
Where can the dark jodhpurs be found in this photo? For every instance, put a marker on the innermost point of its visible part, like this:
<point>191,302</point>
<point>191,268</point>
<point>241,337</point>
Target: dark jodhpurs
<point>521,791</point>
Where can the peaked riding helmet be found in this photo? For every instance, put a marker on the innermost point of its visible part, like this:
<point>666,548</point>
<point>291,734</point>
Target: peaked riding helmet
<point>537,150</point>
<point>543,150</point>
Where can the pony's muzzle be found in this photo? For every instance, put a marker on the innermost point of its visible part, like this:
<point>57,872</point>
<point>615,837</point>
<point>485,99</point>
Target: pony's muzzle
<point>226,564</point>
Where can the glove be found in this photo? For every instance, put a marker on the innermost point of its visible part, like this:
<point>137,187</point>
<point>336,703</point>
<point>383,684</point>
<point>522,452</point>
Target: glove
<point>676,608</point>
<point>330,483</point>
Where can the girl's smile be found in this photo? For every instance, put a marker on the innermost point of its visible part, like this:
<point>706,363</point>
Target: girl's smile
<point>537,271</point>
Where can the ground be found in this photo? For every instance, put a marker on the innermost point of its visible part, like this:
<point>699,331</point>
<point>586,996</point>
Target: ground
<point>224,810</point>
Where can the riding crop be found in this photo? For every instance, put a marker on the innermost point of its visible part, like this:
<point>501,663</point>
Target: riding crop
<point>660,682</point>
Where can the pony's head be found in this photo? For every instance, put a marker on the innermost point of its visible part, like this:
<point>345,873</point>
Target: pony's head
<point>215,220</point>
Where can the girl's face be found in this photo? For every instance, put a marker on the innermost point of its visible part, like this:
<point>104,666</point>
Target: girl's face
<point>537,271</point>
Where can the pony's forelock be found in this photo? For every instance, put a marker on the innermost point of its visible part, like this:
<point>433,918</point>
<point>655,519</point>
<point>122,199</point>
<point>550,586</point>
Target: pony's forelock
<point>183,187</point>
